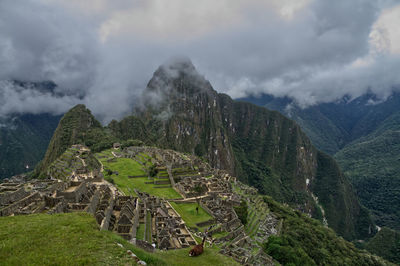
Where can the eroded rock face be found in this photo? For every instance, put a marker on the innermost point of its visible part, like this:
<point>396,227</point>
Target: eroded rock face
<point>188,111</point>
<point>262,148</point>
<point>182,111</point>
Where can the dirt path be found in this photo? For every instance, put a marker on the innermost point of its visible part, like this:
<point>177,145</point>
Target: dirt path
<point>83,161</point>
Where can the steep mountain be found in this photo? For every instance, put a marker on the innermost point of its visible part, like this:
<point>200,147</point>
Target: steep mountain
<point>24,137</point>
<point>182,111</point>
<point>23,141</point>
<point>77,126</point>
<point>263,148</point>
<point>331,126</point>
<point>363,134</point>
<point>373,164</point>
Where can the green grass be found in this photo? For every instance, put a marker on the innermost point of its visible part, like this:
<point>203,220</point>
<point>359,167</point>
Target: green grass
<point>188,213</point>
<point>220,234</point>
<point>74,239</point>
<point>140,232</point>
<point>59,239</point>
<point>146,159</point>
<point>148,227</point>
<point>209,257</point>
<point>128,167</point>
<point>106,153</point>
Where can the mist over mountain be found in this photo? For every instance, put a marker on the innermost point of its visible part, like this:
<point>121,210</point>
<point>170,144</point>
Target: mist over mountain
<point>100,54</point>
<point>286,111</point>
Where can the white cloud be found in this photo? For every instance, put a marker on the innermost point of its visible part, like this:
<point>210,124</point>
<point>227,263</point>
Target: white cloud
<point>104,52</point>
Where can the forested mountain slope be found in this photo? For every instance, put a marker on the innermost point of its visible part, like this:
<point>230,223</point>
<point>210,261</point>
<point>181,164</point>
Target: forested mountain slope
<point>363,135</point>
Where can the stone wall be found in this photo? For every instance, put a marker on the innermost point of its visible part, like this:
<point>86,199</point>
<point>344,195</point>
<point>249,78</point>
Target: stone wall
<point>144,245</point>
<point>19,204</point>
<point>57,186</point>
<point>9,197</point>
<point>74,196</point>
<point>136,219</point>
<point>107,215</point>
<point>59,208</point>
<point>92,207</point>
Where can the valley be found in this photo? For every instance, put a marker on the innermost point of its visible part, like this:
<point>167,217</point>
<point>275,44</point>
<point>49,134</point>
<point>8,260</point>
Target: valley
<point>362,134</point>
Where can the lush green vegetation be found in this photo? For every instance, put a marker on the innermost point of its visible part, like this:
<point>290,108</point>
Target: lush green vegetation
<point>386,243</point>
<point>189,214</point>
<point>24,140</point>
<point>131,142</point>
<point>305,241</point>
<point>140,232</point>
<point>77,126</point>
<point>74,239</point>
<point>242,211</point>
<point>130,128</point>
<point>357,227</point>
<point>256,143</point>
<point>365,139</point>
<point>373,165</point>
<point>128,167</point>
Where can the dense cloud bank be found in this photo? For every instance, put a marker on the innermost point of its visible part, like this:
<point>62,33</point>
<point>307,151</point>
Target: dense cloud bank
<point>102,53</point>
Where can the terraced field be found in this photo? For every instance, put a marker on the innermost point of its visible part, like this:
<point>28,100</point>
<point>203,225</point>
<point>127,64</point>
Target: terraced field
<point>125,172</point>
<point>258,211</point>
<point>189,214</point>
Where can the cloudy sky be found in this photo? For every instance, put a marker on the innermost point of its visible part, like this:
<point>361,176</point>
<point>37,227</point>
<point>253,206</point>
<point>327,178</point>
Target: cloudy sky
<point>102,52</point>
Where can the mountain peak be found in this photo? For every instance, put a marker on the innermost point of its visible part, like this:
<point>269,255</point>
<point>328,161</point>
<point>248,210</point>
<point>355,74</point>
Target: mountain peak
<point>177,75</point>
<point>177,67</point>
<point>179,63</point>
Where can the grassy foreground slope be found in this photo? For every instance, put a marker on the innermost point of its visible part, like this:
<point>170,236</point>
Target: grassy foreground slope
<point>74,239</point>
<point>61,239</point>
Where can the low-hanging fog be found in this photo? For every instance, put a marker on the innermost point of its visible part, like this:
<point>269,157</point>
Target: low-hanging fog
<point>102,53</point>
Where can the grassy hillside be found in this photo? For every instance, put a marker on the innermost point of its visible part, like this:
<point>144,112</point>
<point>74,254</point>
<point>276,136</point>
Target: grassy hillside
<point>74,239</point>
<point>60,239</point>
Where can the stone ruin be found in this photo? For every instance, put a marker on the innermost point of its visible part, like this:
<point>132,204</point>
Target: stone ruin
<point>86,191</point>
<point>168,231</point>
<point>76,163</point>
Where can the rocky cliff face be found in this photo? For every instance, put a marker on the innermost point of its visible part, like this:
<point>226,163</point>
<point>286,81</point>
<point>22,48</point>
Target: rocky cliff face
<point>262,148</point>
<point>184,112</point>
